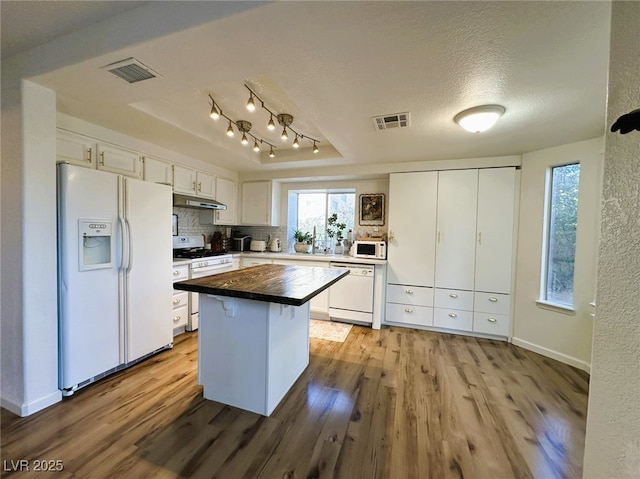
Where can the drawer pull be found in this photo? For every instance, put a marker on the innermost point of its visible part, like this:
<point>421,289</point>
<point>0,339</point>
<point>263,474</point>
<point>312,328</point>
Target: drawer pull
<point>176,273</point>
<point>492,320</point>
<point>176,319</point>
<point>408,291</point>
<point>453,315</point>
<point>493,300</point>
<point>453,295</point>
<point>408,310</point>
<point>176,301</point>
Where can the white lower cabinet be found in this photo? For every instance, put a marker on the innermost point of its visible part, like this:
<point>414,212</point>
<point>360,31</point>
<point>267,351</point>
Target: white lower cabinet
<point>180,299</point>
<point>409,314</point>
<point>453,319</point>
<point>409,305</point>
<point>495,324</point>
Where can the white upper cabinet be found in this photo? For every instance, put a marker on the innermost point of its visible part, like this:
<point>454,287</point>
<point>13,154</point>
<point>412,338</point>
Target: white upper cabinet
<point>205,185</point>
<point>412,222</point>
<point>496,210</point>
<point>119,160</point>
<point>157,171</point>
<point>260,203</point>
<point>456,229</point>
<point>226,193</point>
<point>184,180</point>
<point>75,149</point>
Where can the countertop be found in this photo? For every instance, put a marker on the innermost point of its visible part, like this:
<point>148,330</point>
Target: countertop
<point>334,258</point>
<point>274,283</point>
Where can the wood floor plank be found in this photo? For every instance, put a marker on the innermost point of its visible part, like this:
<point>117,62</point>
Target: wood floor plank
<point>393,403</point>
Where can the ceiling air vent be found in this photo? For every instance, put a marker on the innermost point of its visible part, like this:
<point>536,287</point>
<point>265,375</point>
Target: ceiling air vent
<point>131,70</point>
<point>395,120</point>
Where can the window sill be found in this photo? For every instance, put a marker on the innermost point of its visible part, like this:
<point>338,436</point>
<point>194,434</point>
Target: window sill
<point>555,307</point>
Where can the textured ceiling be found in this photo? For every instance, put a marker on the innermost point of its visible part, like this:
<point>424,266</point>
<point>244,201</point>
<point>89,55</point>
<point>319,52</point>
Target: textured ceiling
<point>335,65</point>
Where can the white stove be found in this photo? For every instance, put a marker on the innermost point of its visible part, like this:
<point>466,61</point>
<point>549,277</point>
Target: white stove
<point>203,263</point>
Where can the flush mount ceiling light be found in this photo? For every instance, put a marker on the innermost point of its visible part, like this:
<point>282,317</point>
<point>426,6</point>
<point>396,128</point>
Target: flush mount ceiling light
<point>479,118</point>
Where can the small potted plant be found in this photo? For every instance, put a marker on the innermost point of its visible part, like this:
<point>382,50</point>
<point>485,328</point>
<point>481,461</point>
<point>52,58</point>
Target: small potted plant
<point>335,229</point>
<point>303,241</point>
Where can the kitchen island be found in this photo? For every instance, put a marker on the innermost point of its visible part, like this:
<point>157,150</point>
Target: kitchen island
<point>253,341</point>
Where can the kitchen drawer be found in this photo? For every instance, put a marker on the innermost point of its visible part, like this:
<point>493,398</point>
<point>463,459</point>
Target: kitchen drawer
<point>497,324</point>
<point>180,299</point>
<point>492,303</point>
<point>180,272</point>
<point>453,319</point>
<point>453,299</point>
<point>409,314</point>
<point>248,262</point>
<point>415,295</point>
<point>180,316</point>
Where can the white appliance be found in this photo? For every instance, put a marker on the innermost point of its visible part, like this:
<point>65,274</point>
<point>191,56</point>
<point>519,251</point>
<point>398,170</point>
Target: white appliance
<point>203,263</point>
<point>114,273</point>
<point>351,298</point>
<point>369,249</point>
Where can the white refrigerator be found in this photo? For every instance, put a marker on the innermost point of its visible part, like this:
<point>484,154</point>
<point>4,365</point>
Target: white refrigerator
<point>114,272</point>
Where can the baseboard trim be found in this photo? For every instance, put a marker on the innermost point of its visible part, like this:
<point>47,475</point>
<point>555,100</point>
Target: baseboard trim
<point>550,353</point>
<point>24,410</point>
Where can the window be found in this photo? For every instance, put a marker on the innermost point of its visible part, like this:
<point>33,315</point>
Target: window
<point>560,244</point>
<point>312,208</point>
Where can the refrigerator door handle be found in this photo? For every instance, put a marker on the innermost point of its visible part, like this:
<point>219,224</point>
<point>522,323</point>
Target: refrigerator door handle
<point>130,249</point>
<point>124,242</point>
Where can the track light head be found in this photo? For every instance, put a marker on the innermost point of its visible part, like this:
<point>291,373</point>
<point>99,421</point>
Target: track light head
<point>251,106</point>
<point>284,135</point>
<point>315,147</point>
<point>256,148</point>
<point>230,130</point>
<point>215,114</point>
<point>295,142</point>
<point>271,125</point>
<point>271,153</point>
<point>244,140</point>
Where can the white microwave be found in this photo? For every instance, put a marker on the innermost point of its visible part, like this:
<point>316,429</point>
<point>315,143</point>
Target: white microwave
<point>370,249</point>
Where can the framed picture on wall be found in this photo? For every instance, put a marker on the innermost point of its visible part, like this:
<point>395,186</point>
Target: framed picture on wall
<point>371,208</point>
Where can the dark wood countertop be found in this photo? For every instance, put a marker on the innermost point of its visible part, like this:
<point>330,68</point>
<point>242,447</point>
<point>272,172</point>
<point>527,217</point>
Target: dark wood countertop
<point>274,283</point>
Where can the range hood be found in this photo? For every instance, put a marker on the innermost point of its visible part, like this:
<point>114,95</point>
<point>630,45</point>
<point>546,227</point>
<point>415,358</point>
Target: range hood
<point>184,201</point>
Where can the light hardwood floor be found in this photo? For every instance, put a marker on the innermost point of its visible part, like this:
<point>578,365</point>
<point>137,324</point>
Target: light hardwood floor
<point>396,403</point>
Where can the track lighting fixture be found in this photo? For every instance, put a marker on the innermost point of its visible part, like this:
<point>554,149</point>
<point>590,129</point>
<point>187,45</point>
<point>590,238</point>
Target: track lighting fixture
<point>285,120</point>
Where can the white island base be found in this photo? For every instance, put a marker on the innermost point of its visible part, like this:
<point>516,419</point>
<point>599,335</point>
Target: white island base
<point>251,352</point>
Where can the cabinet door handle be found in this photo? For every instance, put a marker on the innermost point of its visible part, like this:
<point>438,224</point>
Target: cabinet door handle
<point>408,310</point>
<point>453,295</point>
<point>438,236</point>
<point>453,315</point>
<point>176,319</point>
<point>176,301</point>
<point>492,320</point>
<point>102,158</point>
<point>193,186</point>
<point>408,291</point>
<point>176,273</point>
<point>390,237</point>
<point>89,155</point>
<point>480,238</point>
<point>493,300</point>
<point>199,186</point>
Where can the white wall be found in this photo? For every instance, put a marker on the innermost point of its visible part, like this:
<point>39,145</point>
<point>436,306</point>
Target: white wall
<point>613,423</point>
<point>29,268</point>
<point>561,335</point>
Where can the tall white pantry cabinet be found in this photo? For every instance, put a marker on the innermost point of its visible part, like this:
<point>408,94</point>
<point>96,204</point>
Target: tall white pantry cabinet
<point>450,251</point>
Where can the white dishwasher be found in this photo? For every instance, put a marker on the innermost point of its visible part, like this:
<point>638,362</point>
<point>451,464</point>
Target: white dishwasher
<point>351,298</point>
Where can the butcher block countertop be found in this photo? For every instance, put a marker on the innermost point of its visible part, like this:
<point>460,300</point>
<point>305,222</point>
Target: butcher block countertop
<point>274,283</point>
